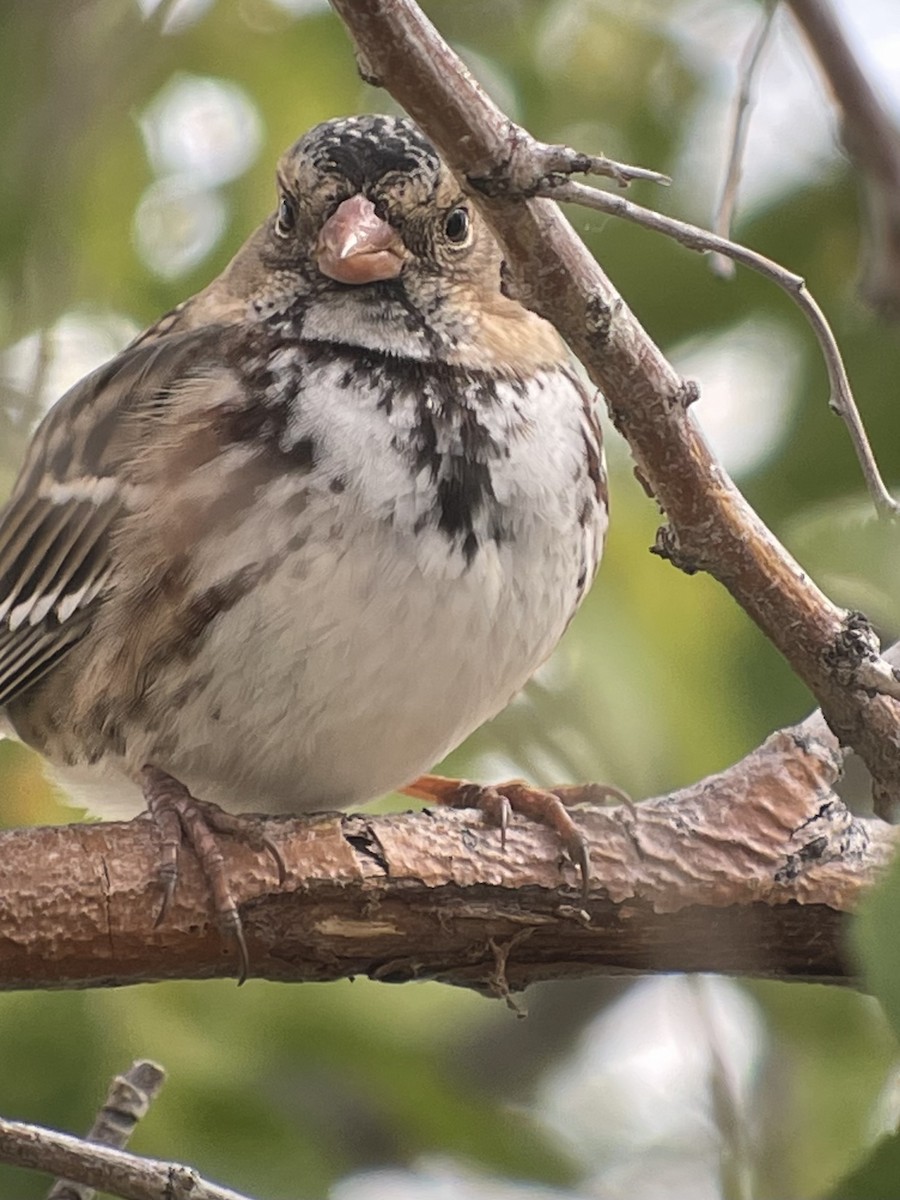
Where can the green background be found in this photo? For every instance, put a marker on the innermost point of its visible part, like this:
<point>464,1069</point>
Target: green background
<point>667,1088</point>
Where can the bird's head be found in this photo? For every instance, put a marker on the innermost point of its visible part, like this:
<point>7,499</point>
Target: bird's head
<point>372,219</point>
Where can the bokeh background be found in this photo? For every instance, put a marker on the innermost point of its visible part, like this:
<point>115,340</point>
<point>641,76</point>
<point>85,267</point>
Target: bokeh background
<point>137,144</point>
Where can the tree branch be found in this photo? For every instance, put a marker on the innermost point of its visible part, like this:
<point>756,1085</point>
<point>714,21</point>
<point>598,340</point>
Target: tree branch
<point>127,1101</point>
<point>841,396</point>
<point>126,1175</point>
<point>748,872</point>
<point>711,525</point>
<point>872,140</point>
<point>740,123</point>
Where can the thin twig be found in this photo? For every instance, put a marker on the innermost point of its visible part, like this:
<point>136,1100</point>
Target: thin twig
<point>127,1176</point>
<point>127,1101</point>
<point>841,398</point>
<point>740,124</point>
<point>545,159</point>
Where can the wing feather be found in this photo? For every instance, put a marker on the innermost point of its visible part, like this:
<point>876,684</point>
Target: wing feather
<point>55,532</point>
<point>29,654</point>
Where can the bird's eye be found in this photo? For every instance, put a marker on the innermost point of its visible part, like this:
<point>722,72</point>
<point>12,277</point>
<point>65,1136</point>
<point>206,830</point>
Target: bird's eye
<point>456,225</point>
<point>287,215</point>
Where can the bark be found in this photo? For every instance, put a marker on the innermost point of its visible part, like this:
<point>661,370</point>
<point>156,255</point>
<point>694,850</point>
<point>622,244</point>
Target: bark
<point>117,1173</point>
<point>752,871</point>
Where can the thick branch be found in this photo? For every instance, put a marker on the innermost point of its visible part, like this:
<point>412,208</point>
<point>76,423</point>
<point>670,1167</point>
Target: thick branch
<point>712,527</point>
<point>872,139</point>
<point>748,872</point>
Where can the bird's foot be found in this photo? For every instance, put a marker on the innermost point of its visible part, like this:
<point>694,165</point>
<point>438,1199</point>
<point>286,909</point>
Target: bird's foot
<point>548,807</point>
<point>181,817</point>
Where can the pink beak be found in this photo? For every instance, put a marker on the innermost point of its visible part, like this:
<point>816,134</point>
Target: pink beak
<point>356,246</point>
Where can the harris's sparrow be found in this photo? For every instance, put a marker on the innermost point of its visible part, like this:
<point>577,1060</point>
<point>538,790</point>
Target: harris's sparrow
<point>313,527</point>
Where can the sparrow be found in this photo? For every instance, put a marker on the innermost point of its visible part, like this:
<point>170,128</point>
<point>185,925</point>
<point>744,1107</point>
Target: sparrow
<point>313,527</point>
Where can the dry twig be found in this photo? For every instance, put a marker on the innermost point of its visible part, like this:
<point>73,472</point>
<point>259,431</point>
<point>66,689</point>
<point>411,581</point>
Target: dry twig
<point>693,237</point>
<point>724,214</point>
<point>114,1171</point>
<point>127,1101</point>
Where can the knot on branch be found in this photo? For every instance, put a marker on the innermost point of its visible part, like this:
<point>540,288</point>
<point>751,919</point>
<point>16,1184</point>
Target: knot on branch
<point>668,546</point>
<point>364,68</point>
<point>854,645</point>
<point>598,319</point>
<point>516,174</point>
<point>831,833</point>
<point>688,393</point>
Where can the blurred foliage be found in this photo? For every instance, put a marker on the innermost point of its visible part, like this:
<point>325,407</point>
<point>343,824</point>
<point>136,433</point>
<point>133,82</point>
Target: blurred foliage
<point>283,1092</point>
<point>876,1178</point>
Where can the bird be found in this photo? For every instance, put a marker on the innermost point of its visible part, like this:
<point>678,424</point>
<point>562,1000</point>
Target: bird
<point>311,528</point>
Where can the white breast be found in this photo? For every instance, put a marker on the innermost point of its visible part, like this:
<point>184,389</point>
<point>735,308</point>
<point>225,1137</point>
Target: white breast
<point>371,647</point>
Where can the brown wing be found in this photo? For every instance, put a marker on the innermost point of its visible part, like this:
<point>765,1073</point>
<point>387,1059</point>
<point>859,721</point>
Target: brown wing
<point>55,530</point>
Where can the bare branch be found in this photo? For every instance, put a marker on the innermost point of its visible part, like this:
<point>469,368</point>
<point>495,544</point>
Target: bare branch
<point>543,162</point>
<point>872,139</point>
<point>127,1101</point>
<point>740,121</point>
<point>841,398</point>
<point>711,526</point>
<point>748,872</point>
<point>103,1168</point>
